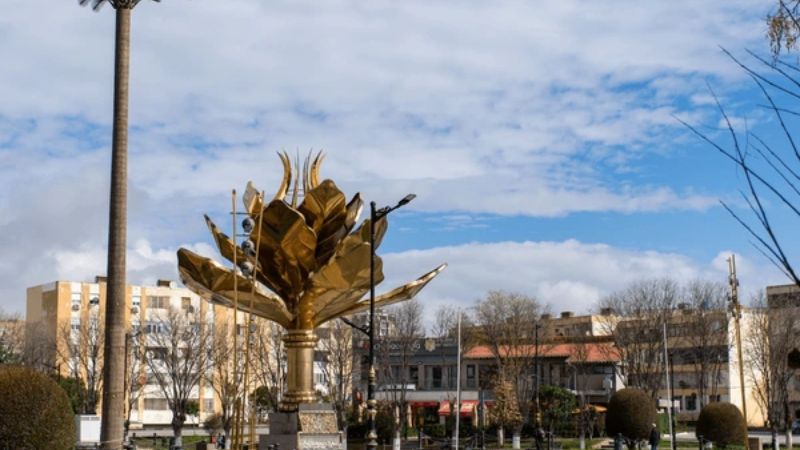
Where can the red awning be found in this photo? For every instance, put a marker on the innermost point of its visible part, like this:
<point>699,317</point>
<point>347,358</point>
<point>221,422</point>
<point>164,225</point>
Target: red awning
<point>467,408</point>
<point>423,404</point>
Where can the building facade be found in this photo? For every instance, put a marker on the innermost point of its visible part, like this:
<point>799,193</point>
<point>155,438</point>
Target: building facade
<point>65,319</point>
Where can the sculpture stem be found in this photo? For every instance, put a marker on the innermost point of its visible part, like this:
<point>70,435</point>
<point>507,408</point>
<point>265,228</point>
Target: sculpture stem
<point>300,346</point>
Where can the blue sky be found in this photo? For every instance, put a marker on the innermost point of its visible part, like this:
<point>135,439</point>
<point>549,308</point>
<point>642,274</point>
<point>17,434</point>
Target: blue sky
<point>541,138</point>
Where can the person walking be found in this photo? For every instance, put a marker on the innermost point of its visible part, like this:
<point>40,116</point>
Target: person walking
<point>655,437</point>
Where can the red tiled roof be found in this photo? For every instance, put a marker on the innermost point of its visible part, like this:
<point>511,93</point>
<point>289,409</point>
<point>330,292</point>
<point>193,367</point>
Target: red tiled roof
<point>594,352</point>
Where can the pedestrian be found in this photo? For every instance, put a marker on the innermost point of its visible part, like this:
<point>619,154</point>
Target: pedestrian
<point>655,437</point>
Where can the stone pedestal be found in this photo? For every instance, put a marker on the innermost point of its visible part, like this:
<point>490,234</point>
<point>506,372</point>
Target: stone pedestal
<point>312,427</point>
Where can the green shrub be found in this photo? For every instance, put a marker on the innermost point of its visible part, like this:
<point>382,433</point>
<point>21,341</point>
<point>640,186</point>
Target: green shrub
<point>213,423</point>
<point>557,405</point>
<point>357,431</point>
<point>35,413</point>
<point>435,430</point>
<point>384,425</point>
<point>631,413</point>
<point>722,424</point>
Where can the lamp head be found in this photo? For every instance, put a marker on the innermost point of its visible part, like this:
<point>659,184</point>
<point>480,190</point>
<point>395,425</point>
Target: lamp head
<point>407,199</point>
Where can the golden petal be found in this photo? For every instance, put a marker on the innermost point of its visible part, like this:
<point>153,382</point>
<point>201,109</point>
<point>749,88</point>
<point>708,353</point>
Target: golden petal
<point>324,208</point>
<point>353,211</point>
<point>315,169</point>
<point>286,181</point>
<point>224,243</point>
<point>381,226</point>
<point>286,245</point>
<point>347,271</point>
<point>214,282</point>
<point>327,245</point>
<point>405,292</point>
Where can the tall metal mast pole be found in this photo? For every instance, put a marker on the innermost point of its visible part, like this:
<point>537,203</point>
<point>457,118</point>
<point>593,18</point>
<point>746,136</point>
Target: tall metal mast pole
<point>736,310</point>
<point>669,389</point>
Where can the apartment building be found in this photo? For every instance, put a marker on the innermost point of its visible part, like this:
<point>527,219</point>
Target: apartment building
<point>65,318</point>
<point>784,300</point>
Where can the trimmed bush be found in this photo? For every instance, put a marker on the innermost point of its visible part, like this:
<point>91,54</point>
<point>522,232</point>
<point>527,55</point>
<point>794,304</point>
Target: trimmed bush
<point>631,413</point>
<point>435,430</point>
<point>722,424</point>
<point>35,413</point>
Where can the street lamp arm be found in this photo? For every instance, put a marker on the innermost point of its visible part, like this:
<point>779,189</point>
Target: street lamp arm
<point>362,328</point>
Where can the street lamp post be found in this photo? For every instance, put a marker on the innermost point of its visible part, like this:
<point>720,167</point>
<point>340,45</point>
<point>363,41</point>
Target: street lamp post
<point>374,216</point>
<point>537,417</point>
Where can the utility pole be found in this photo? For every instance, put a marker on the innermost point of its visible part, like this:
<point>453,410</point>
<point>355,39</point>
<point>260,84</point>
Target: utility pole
<point>458,383</point>
<point>736,310</point>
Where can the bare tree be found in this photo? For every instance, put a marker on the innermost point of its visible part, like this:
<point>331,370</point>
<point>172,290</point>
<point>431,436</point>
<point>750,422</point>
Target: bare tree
<point>270,352</point>
<point>703,335</point>
<point>640,312</point>
<point>135,378</point>
<point>337,349</point>
<point>222,376</point>
<point>39,348</point>
<point>507,323</point>
<point>773,336</point>
<point>445,322</point>
<point>12,338</point>
<point>395,352</point>
<point>579,362</point>
<point>177,357</point>
<point>770,164</point>
<point>81,351</point>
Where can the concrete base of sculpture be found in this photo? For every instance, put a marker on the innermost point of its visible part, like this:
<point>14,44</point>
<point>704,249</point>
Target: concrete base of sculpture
<point>312,427</point>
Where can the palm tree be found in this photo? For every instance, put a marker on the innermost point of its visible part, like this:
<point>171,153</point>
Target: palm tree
<point>111,428</point>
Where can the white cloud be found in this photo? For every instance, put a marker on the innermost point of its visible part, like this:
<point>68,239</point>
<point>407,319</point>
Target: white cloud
<point>506,99</point>
<point>498,108</point>
<point>567,276</point>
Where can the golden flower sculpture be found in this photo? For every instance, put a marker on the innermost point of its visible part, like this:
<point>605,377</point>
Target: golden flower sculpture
<point>302,265</point>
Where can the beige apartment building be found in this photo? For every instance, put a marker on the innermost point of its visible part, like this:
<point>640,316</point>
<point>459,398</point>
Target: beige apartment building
<point>63,318</point>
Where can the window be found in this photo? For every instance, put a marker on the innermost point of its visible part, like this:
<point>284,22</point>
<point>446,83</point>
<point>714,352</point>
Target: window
<point>413,375</point>
<point>714,398</point>
<point>155,327</point>
<point>691,402</point>
<point>451,377</point>
<point>156,404</point>
<point>436,377</point>
<point>136,300</point>
<point>76,324</point>
<point>158,353</point>
<point>186,304</point>
<point>383,327</point>
<point>76,300</point>
<point>208,405</point>
<point>471,379</point>
<point>678,399</point>
<point>159,302</point>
